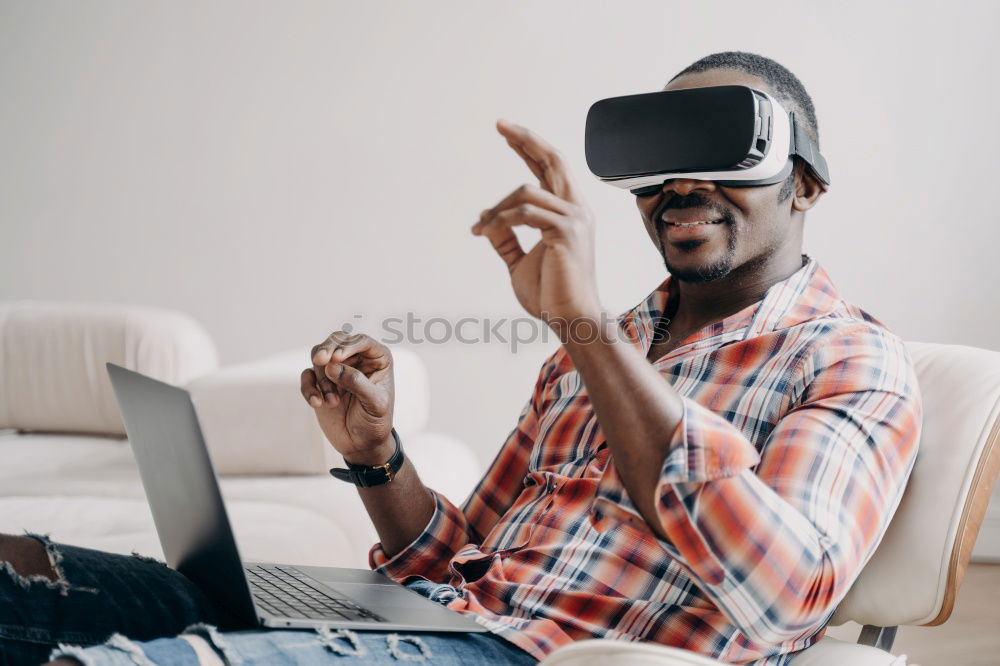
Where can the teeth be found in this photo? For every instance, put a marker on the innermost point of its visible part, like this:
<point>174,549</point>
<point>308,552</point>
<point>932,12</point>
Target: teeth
<point>690,224</point>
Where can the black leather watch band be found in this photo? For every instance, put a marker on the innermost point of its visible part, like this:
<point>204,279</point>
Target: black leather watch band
<point>368,476</point>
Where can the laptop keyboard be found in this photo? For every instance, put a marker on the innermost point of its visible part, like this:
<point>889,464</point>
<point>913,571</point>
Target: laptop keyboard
<point>286,591</point>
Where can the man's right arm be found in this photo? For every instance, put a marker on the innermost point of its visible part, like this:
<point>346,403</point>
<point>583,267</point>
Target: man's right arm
<point>450,528</point>
<point>350,387</point>
<point>400,509</point>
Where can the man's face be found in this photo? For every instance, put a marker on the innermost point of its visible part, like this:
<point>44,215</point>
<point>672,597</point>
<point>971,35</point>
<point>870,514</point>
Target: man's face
<point>740,225</point>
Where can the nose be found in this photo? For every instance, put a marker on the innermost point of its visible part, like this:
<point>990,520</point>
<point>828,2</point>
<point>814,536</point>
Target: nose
<point>685,186</point>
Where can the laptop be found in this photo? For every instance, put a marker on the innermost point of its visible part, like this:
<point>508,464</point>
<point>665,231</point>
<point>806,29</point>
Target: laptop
<point>194,530</point>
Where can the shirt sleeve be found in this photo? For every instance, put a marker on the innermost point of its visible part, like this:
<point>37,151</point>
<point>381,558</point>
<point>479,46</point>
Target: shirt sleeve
<point>451,528</point>
<point>778,548</point>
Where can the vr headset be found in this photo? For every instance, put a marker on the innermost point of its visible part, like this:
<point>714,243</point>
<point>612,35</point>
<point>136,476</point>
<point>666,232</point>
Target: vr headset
<point>735,136</point>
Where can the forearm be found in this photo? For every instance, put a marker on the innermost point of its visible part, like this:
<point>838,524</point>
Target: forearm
<point>776,537</point>
<point>640,412</point>
<point>400,509</point>
<point>637,408</point>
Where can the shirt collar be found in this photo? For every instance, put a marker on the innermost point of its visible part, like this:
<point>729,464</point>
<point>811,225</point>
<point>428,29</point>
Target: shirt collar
<point>806,294</point>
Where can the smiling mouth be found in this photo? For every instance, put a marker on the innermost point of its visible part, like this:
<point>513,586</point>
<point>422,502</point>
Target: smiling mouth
<point>695,223</point>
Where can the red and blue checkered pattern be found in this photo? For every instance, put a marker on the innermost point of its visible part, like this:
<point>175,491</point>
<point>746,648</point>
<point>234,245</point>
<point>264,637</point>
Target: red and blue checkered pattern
<point>801,421</point>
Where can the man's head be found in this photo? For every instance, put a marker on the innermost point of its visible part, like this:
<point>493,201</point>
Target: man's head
<point>740,226</point>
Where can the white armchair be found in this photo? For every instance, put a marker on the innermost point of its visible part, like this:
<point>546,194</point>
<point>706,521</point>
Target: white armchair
<point>914,575</point>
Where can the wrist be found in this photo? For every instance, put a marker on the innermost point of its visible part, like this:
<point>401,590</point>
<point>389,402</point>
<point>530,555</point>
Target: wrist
<point>377,455</point>
<point>374,471</point>
<point>585,326</point>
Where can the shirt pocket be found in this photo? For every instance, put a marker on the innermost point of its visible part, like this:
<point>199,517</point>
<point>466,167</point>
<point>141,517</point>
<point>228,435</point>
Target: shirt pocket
<point>567,441</point>
<point>513,530</point>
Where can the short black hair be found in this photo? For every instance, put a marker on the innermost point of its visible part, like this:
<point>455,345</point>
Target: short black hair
<point>783,84</point>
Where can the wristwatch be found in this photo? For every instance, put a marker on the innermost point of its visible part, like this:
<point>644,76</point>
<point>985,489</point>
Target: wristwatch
<point>367,476</point>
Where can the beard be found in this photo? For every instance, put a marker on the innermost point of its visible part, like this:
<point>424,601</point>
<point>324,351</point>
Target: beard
<point>714,270</point>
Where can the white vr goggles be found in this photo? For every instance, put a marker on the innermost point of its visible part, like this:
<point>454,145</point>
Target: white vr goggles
<point>735,136</point>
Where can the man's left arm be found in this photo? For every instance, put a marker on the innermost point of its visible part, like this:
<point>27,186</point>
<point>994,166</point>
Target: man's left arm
<point>776,549</point>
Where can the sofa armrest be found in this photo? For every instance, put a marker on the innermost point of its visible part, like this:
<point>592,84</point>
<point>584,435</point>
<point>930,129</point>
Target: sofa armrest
<point>52,356</point>
<point>255,421</point>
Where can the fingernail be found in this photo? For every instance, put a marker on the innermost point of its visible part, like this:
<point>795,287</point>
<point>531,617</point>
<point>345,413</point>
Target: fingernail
<point>315,401</point>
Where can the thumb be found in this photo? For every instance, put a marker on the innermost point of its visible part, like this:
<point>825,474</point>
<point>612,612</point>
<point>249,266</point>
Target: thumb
<point>373,398</point>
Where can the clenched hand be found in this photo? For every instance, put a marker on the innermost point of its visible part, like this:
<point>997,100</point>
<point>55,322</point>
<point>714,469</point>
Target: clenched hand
<point>350,386</point>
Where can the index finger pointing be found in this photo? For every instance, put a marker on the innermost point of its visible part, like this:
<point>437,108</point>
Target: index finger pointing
<point>541,157</point>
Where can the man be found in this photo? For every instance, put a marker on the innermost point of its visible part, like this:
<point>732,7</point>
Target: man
<point>710,471</point>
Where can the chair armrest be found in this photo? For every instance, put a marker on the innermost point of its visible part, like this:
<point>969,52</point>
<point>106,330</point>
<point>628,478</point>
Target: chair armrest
<point>826,652</point>
<point>599,652</point>
<point>829,651</point>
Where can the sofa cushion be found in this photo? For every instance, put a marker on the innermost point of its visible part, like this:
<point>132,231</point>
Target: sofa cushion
<point>52,358</point>
<point>255,420</point>
<point>265,531</point>
<point>85,490</point>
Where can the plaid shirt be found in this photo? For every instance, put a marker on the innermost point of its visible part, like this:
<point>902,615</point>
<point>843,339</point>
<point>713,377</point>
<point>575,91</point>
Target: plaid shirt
<point>800,428</point>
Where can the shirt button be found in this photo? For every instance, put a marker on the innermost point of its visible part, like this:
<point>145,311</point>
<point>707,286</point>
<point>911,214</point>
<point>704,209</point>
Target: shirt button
<point>597,520</point>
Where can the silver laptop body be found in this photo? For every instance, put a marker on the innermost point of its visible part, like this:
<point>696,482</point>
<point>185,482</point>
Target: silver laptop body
<point>194,530</point>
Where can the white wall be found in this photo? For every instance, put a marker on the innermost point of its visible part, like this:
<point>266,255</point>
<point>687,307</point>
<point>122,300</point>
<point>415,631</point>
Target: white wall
<point>275,168</point>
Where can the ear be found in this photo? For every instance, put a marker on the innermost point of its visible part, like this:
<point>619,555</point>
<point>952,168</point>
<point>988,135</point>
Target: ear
<point>808,188</point>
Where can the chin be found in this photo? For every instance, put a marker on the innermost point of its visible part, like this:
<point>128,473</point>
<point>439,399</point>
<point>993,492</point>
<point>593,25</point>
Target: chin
<point>700,271</point>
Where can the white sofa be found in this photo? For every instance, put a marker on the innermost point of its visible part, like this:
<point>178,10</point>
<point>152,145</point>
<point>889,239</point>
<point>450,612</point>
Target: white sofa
<point>67,471</point>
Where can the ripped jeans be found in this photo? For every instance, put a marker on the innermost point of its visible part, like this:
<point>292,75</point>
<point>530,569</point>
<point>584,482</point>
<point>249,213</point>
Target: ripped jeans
<point>112,609</point>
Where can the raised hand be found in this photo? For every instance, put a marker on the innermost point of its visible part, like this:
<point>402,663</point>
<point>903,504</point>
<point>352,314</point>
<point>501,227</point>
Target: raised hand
<point>555,279</point>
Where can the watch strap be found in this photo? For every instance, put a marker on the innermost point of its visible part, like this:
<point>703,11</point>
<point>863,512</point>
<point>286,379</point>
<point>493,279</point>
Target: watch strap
<point>368,476</point>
